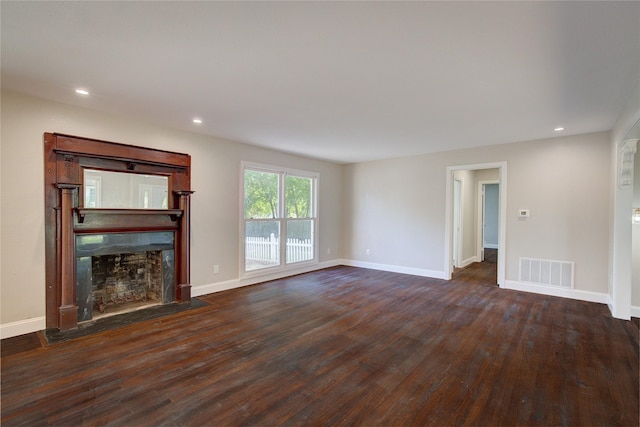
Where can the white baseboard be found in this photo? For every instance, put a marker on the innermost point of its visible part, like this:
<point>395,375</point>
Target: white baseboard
<point>198,290</point>
<point>635,311</point>
<point>576,294</point>
<point>21,327</point>
<point>395,269</point>
<point>238,283</point>
<point>491,246</point>
<point>469,261</point>
<point>36,324</point>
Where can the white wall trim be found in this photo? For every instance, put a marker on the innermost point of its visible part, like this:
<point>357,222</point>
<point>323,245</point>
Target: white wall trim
<point>198,290</point>
<point>21,327</point>
<point>395,269</point>
<point>590,296</point>
<point>490,246</point>
<point>469,261</point>
<point>635,311</point>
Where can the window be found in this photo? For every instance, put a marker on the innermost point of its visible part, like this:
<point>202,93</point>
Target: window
<point>279,217</point>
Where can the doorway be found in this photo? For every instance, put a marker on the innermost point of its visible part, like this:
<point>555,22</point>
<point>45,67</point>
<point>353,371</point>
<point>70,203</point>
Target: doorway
<point>465,245</point>
<point>488,218</point>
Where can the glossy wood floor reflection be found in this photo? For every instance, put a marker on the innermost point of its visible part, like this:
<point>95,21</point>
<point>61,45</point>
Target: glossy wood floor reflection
<point>341,346</point>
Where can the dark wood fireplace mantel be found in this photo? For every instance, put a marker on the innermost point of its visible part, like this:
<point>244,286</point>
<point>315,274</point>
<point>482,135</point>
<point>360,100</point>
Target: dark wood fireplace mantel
<point>143,215</point>
<point>66,216</point>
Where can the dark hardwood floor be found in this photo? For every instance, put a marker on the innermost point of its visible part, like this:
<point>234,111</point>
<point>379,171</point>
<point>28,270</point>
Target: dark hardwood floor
<point>341,346</point>
<point>480,273</point>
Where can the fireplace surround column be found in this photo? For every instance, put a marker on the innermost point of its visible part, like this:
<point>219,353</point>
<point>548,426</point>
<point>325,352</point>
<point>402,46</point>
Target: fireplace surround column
<point>184,282</point>
<point>68,310</point>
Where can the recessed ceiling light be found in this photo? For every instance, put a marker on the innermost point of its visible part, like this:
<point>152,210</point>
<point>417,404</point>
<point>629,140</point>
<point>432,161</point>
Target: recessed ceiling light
<point>82,92</point>
<point>197,121</point>
<point>559,129</point>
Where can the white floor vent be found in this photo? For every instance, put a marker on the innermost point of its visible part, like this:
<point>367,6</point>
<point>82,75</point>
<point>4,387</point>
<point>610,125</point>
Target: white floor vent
<point>547,272</point>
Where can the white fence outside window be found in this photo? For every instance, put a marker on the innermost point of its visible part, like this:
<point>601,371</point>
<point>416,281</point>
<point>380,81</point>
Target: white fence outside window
<point>261,252</point>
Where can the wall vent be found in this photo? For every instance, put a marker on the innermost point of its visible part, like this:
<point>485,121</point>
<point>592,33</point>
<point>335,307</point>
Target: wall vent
<point>547,272</point>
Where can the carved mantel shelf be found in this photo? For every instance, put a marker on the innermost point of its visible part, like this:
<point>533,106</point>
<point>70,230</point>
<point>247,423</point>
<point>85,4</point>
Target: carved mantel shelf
<point>174,214</point>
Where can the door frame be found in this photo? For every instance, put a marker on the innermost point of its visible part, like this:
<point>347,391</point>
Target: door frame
<point>457,224</point>
<point>502,226</point>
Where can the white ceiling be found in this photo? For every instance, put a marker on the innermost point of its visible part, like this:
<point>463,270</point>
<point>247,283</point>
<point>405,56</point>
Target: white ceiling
<point>344,81</point>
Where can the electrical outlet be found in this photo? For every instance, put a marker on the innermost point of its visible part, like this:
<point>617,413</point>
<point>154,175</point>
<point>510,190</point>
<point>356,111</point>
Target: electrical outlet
<point>368,251</point>
<point>328,251</point>
<point>216,269</point>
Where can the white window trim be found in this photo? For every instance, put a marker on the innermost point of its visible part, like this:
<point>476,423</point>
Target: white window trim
<point>284,266</point>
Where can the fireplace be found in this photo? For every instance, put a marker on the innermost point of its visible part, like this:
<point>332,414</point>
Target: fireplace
<point>121,272</point>
<point>117,229</point>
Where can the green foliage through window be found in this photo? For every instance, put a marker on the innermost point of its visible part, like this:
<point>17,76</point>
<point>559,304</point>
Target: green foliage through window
<point>298,197</point>
<point>260,194</point>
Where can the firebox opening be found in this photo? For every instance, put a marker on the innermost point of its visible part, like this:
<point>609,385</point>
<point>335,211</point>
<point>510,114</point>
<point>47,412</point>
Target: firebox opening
<point>122,272</point>
<point>125,282</point>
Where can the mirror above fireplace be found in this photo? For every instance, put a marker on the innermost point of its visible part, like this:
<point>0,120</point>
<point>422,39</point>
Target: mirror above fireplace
<point>124,190</point>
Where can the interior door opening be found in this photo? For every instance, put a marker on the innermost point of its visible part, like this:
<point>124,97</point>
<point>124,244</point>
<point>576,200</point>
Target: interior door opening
<point>489,208</point>
<point>476,209</point>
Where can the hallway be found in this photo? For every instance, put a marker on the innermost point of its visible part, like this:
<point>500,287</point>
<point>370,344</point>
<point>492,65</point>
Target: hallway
<point>479,273</point>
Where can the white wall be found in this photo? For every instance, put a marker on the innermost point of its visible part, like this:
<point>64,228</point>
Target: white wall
<point>396,208</point>
<point>215,204</point>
